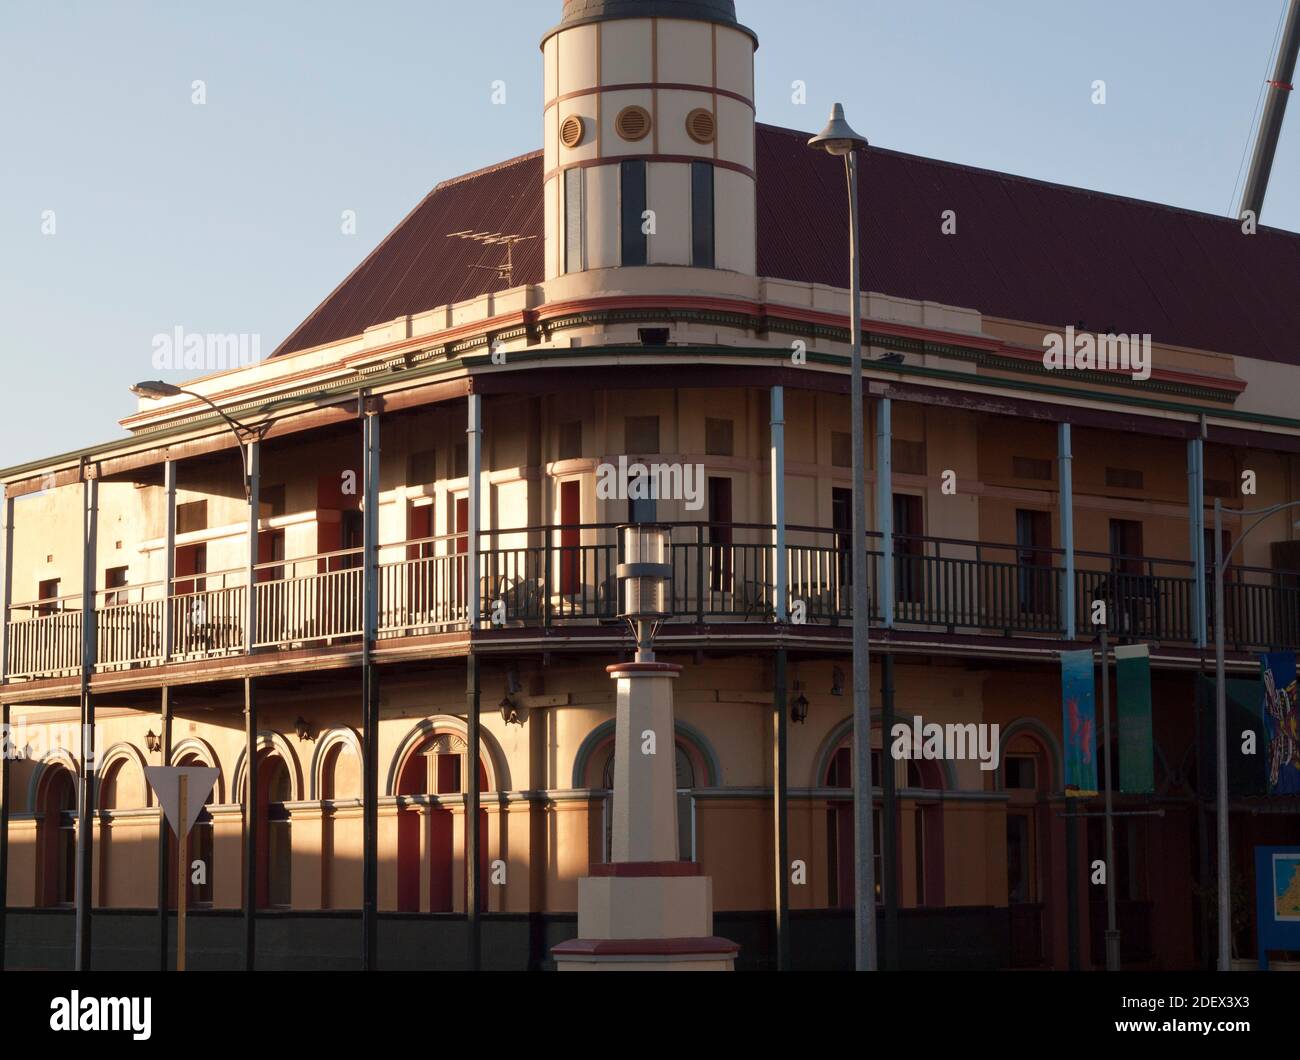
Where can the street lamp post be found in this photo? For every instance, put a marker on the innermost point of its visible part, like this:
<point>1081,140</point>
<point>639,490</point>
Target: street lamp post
<point>1221,715</point>
<point>154,389</point>
<point>839,139</point>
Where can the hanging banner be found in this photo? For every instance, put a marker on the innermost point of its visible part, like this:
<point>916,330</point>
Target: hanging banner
<point>1136,747</point>
<point>1281,722</point>
<point>1079,723</point>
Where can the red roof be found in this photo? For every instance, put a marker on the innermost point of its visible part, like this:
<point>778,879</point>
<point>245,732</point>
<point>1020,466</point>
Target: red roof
<point>1023,249</point>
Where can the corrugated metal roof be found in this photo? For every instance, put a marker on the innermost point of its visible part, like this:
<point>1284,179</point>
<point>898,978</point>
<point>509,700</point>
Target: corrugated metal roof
<point>1032,251</point>
<point>1023,249</point>
<point>419,265</point>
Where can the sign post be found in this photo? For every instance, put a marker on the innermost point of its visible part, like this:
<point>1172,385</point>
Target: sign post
<point>181,791</point>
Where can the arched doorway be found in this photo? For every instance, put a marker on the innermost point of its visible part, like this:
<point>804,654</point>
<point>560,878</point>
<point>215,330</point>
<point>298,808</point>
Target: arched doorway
<point>1025,775</point>
<point>920,871</point>
<point>274,837</point>
<point>342,829</point>
<point>199,847</point>
<point>430,873</point>
<point>839,826</point>
<point>56,883</point>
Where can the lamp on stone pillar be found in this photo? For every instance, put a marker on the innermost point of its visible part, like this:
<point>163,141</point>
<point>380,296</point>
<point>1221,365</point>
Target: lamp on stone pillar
<point>644,577</point>
<point>646,910</point>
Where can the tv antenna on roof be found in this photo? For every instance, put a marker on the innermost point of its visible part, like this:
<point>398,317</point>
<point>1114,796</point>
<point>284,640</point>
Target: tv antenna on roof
<point>506,270</point>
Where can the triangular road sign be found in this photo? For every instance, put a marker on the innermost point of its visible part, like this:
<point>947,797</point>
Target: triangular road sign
<point>166,783</point>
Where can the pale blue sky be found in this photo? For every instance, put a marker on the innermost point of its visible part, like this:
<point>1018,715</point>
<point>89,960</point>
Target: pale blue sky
<point>226,217</point>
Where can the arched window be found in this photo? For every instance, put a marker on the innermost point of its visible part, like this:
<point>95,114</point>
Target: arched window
<point>274,838</point>
<point>920,827</point>
<point>341,783</point>
<point>121,787</point>
<point>430,876</point>
<point>686,772</point>
<point>57,865</point>
<point>199,847</point>
<point>839,827</point>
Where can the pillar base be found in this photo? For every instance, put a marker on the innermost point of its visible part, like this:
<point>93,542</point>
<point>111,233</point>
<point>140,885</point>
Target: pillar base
<point>710,954</point>
<point>646,916</point>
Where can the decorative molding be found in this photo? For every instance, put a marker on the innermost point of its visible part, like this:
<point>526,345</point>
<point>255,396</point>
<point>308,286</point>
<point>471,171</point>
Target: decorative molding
<point>490,753</point>
<point>122,751</point>
<point>203,751</point>
<point>270,741</point>
<point>683,731</point>
<point>56,757</point>
<point>325,743</point>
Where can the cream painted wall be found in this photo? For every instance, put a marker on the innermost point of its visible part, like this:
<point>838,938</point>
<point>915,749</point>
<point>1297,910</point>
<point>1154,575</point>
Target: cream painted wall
<point>683,62</point>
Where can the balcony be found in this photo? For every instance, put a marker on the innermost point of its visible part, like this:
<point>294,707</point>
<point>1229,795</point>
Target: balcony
<point>565,575</point>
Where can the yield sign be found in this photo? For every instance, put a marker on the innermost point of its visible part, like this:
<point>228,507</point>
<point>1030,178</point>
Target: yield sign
<point>166,783</point>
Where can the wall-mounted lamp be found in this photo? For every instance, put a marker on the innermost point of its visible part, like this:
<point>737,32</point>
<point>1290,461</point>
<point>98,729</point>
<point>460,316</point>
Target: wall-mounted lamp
<point>511,713</point>
<point>837,681</point>
<point>153,741</point>
<point>301,728</point>
<point>799,710</point>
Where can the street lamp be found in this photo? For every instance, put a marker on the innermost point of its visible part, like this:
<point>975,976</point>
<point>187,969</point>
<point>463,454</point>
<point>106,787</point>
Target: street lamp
<point>839,139</point>
<point>1221,714</point>
<point>644,574</point>
<point>155,389</point>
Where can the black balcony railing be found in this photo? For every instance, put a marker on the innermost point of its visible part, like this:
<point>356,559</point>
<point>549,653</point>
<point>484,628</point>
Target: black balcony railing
<point>552,575</point>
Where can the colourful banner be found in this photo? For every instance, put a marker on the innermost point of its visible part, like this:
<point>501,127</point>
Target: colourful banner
<point>1281,722</point>
<point>1136,757</point>
<point>1079,709</point>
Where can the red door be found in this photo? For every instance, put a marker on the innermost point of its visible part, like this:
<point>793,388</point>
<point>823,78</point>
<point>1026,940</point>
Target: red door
<point>190,559</point>
<point>419,534</point>
<point>570,536</point>
<point>720,533</point>
<point>461,532</point>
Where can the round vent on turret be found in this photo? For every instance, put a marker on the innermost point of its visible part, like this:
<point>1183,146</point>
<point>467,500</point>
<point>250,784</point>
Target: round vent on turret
<point>633,123</point>
<point>571,131</point>
<point>701,126</point>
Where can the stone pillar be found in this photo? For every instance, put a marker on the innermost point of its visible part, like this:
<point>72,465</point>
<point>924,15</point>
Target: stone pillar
<point>645,910</point>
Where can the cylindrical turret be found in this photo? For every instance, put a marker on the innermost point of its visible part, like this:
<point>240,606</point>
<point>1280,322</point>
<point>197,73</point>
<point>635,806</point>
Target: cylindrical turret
<point>649,136</point>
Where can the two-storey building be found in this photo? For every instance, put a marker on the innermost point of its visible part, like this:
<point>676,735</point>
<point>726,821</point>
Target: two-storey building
<point>375,588</point>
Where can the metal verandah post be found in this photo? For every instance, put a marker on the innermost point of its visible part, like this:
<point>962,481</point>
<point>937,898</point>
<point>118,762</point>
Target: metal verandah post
<point>1221,751</point>
<point>165,723</point>
<point>780,567</point>
<point>165,708</point>
<point>1196,534</point>
<point>370,698</point>
<point>474,445</point>
<point>889,801</point>
<point>781,806</point>
<point>6,583</point>
<point>1065,461</point>
<point>87,795</point>
<point>888,602</point>
<point>253,491</point>
<point>250,825</point>
<point>1112,931</point>
<point>4,830</point>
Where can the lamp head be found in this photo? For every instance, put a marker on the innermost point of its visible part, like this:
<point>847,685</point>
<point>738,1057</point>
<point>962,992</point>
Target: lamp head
<point>838,138</point>
<point>153,389</point>
<point>645,572</point>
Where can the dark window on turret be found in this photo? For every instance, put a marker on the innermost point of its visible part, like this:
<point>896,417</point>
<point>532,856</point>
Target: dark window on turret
<point>702,255</point>
<point>636,243</point>
<point>573,214</point>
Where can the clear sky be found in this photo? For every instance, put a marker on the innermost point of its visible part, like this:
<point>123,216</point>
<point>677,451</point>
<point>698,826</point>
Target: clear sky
<point>226,217</point>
